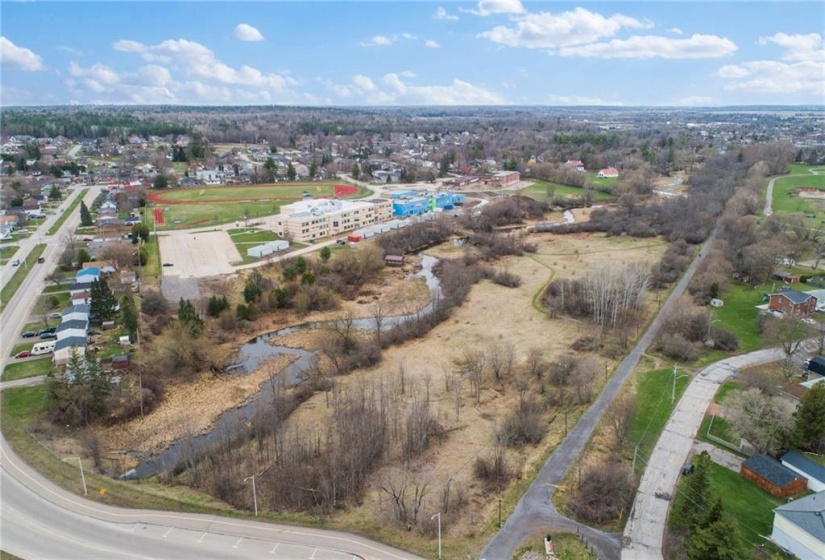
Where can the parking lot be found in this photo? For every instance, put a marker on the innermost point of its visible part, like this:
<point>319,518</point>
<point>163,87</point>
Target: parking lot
<point>198,255</point>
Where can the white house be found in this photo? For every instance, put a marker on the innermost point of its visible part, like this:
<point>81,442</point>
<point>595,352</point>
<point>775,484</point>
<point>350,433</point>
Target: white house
<point>814,472</point>
<point>75,312</point>
<point>63,349</point>
<point>72,329</point>
<point>798,527</point>
<point>608,172</point>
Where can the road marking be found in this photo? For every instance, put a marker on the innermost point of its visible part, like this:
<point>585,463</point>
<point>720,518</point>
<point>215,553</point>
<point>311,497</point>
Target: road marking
<point>135,527</point>
<point>203,535</point>
<point>166,534</point>
<point>273,548</point>
<point>312,556</point>
<point>237,543</point>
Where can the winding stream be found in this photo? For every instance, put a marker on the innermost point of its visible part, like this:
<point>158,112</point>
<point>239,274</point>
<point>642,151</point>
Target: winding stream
<point>250,357</point>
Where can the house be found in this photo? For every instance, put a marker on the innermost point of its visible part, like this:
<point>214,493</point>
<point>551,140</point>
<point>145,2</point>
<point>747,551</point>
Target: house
<point>799,527</point>
<point>394,260</point>
<point>63,349</point>
<point>74,312</point>
<point>814,472</point>
<point>786,277</point>
<point>81,298</point>
<point>815,367</point>
<point>72,329</point>
<point>792,302</point>
<point>608,173</point>
<point>575,163</point>
<point>773,476</point>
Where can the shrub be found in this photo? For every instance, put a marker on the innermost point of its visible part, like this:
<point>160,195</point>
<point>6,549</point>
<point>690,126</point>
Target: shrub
<point>153,303</point>
<point>493,469</point>
<point>523,427</point>
<point>676,347</point>
<point>724,340</point>
<point>605,493</point>
<point>507,279</point>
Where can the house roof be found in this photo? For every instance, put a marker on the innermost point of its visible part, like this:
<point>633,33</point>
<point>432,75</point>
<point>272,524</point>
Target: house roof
<point>120,359</point>
<point>807,513</point>
<point>69,342</point>
<point>80,308</point>
<point>771,470</point>
<point>73,324</point>
<point>795,296</point>
<point>810,468</point>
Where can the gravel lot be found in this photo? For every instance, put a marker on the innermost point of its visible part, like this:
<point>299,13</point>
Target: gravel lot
<point>198,255</point>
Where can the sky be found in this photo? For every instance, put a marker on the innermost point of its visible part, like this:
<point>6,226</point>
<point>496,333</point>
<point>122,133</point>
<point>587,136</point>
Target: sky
<point>348,53</point>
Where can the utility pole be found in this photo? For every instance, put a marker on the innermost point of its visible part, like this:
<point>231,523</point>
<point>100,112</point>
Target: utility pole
<point>254,493</point>
<point>438,515</point>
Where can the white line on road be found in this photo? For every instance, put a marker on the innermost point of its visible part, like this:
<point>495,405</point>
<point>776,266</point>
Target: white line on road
<point>237,543</point>
<point>312,556</point>
<point>273,548</point>
<point>203,535</point>
<point>166,534</point>
<point>135,527</point>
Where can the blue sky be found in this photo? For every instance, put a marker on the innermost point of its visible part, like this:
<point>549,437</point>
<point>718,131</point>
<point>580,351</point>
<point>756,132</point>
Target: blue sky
<point>413,53</point>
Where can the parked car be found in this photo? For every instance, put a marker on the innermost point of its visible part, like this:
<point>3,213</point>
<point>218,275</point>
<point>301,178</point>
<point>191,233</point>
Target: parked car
<point>48,330</point>
<point>687,469</point>
<point>15,262</point>
<point>55,315</point>
<point>41,260</point>
<point>168,264</point>
<point>341,242</point>
<point>29,334</point>
<point>23,354</point>
<point>48,336</point>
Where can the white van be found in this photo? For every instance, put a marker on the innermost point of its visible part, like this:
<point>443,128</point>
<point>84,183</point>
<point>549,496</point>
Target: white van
<point>44,347</point>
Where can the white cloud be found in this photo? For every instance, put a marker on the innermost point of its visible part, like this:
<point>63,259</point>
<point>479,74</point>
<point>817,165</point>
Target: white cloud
<point>675,31</point>
<point>545,30</point>
<point>492,7</point>
<point>407,74</point>
<point>430,44</point>
<point>581,100</point>
<point>70,50</point>
<point>21,58</point>
<point>798,47</point>
<point>772,76</point>
<point>199,62</point>
<point>245,32</point>
<point>804,73</point>
<point>695,101</point>
<point>651,46</point>
<point>378,41</point>
<point>442,14</point>
<point>393,90</point>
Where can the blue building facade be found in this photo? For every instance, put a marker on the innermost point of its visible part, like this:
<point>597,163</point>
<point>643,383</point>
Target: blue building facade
<point>405,207</point>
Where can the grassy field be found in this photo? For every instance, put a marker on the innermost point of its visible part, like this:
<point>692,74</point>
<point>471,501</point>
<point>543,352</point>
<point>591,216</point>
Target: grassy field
<point>245,239</point>
<point>152,268</point>
<point>739,313</point>
<point>72,207</point>
<point>726,390</point>
<point>29,368</point>
<point>20,274</point>
<point>7,252</point>
<point>246,193</point>
<point>538,191</point>
<point>653,406</point>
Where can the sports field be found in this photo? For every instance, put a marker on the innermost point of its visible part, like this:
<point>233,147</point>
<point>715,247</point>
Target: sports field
<point>206,206</point>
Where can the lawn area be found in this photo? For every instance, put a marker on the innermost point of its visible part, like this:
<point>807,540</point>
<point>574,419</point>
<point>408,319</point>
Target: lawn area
<point>72,207</point>
<point>56,288</point>
<point>245,239</point>
<point>61,300</point>
<point>653,406</point>
<point>271,192</point>
<point>152,267</point>
<point>725,391</point>
<point>739,313</point>
<point>183,216</point>
<point>19,275</point>
<point>7,252</point>
<point>538,191</point>
<point>718,427</point>
<point>593,178</point>
<point>28,368</point>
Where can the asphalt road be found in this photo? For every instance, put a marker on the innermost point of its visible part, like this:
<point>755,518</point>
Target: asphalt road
<point>644,532</point>
<point>535,513</point>
<point>40,520</point>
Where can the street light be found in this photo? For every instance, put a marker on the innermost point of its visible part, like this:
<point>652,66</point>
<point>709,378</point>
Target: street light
<point>675,377</point>
<point>254,493</point>
<point>438,515</point>
<point>82,476</point>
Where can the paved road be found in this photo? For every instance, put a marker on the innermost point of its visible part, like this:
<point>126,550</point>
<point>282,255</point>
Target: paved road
<point>40,520</point>
<point>768,211</point>
<point>535,512</point>
<point>644,532</point>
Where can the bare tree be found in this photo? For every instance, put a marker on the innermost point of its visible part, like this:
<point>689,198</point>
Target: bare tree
<point>618,417</point>
<point>472,365</point>
<point>535,362</point>
<point>787,333</point>
<point>765,422</point>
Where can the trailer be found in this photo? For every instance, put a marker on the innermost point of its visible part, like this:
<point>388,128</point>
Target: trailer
<point>45,347</point>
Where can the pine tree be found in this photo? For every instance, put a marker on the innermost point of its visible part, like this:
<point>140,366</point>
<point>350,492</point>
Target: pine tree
<point>103,304</point>
<point>190,317</point>
<point>720,540</point>
<point>290,172</point>
<point>810,419</point>
<point>85,215</point>
<point>697,490</point>
<point>129,316</point>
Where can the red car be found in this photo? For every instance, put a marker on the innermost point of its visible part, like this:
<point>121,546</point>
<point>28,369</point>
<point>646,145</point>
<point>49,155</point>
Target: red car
<point>23,354</point>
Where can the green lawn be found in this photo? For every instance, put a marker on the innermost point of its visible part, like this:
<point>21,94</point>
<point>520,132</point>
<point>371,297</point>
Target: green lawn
<point>72,207</point>
<point>182,216</point>
<point>653,406</point>
<point>7,252</point>
<point>717,427</point>
<point>725,391</point>
<point>152,268</point>
<point>29,368</point>
<point>538,191</point>
<point>245,239</point>
<point>56,288</point>
<point>272,192</point>
<point>19,275</point>
<point>739,313</point>
<point>62,300</point>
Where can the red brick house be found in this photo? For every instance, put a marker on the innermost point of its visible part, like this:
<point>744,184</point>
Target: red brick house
<point>792,302</point>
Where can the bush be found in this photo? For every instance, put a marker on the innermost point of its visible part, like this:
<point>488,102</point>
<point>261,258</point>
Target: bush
<point>724,340</point>
<point>523,427</point>
<point>507,279</point>
<point>153,303</point>
<point>676,347</point>
<point>605,493</point>
<point>493,469</point>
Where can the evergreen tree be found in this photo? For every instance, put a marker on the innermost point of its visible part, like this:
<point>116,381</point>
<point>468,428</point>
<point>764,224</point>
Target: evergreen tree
<point>719,540</point>
<point>79,396</point>
<point>161,181</point>
<point>810,419</point>
<point>290,172</point>
<point>140,232</point>
<point>188,316</point>
<point>325,254</point>
<point>83,257</point>
<point>697,490</point>
<point>103,304</point>
<point>129,316</point>
<point>356,171</point>
<point>55,194</point>
<point>216,305</point>
<point>85,215</point>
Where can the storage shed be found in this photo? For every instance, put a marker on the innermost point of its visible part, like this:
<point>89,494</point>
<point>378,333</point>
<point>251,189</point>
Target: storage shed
<point>773,476</point>
<point>814,472</point>
<point>394,260</point>
<point>261,251</point>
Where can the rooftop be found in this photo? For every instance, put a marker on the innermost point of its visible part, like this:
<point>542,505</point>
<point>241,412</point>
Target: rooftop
<point>771,470</point>
<point>794,295</point>
<point>810,468</point>
<point>807,513</point>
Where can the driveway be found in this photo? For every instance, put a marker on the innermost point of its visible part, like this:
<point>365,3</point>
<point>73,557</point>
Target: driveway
<point>644,532</point>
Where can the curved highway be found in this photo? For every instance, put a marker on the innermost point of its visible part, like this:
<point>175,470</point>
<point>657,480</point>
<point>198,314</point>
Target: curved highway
<point>38,519</point>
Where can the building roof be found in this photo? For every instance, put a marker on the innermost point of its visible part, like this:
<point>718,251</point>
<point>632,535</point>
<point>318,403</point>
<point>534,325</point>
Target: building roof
<point>69,342</point>
<point>795,296</point>
<point>807,513</point>
<point>810,468</point>
<point>73,324</point>
<point>771,470</point>
<point>80,308</point>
